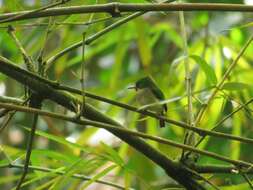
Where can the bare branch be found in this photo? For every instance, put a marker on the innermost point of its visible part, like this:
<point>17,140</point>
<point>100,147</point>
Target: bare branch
<point>112,8</point>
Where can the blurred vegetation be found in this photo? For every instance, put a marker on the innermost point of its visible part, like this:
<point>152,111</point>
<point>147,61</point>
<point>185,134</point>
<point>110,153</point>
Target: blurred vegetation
<point>149,45</point>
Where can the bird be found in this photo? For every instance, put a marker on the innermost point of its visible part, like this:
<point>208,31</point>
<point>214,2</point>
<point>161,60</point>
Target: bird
<point>150,95</point>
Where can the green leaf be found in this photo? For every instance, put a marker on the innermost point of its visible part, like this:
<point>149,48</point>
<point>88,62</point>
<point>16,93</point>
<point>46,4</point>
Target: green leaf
<point>40,153</point>
<point>98,176</point>
<point>208,70</point>
<point>114,156</point>
<point>142,41</point>
<point>169,32</point>
<point>45,175</point>
<point>60,140</point>
<point>236,130</point>
<point>46,185</point>
<point>65,179</point>
<point>236,86</point>
<point>120,53</point>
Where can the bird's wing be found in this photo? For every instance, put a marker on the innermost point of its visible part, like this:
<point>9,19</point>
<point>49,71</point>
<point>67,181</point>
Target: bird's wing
<point>159,94</point>
<point>165,107</point>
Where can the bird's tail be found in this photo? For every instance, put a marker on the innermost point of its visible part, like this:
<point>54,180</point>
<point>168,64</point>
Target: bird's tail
<point>162,123</point>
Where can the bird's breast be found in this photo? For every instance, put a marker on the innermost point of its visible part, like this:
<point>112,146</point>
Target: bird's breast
<point>146,97</point>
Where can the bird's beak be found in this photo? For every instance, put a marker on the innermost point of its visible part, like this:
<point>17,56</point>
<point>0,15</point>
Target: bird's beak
<point>132,87</point>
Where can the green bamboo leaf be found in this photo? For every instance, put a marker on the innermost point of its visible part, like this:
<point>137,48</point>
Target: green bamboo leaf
<point>231,86</point>
<point>40,153</point>
<point>66,178</point>
<point>38,178</point>
<point>13,5</point>
<point>57,139</point>
<point>142,41</point>
<point>10,179</point>
<point>169,32</point>
<point>120,54</point>
<point>236,130</point>
<point>46,185</point>
<point>208,70</point>
<point>113,155</point>
<point>98,176</point>
<point>242,186</point>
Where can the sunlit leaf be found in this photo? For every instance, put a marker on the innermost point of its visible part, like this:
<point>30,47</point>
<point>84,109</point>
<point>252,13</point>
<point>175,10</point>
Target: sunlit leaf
<point>99,175</point>
<point>208,70</point>
<point>236,130</point>
<point>143,47</point>
<point>231,86</point>
<point>114,155</point>
<point>65,179</point>
<point>57,139</point>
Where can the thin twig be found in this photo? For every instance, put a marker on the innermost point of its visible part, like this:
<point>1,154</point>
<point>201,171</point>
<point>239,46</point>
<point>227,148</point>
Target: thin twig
<point>29,13</point>
<point>82,81</point>
<point>6,155</point>
<point>128,7</point>
<point>41,63</point>
<point>245,176</point>
<point>28,153</point>
<point>36,103</point>
<point>42,24</point>
<point>28,60</point>
<point>206,180</point>
<point>7,99</point>
<point>210,168</point>
<point>82,78</point>
<point>10,116</point>
<point>189,138</point>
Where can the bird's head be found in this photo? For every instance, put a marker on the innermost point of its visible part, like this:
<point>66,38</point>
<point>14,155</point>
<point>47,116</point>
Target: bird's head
<point>142,83</point>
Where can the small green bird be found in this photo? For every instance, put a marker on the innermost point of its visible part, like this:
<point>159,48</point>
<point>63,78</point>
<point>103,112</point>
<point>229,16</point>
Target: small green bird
<point>148,93</point>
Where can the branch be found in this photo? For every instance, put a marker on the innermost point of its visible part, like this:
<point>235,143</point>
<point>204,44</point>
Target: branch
<point>27,13</point>
<point>116,8</point>
<point>28,60</point>
<point>190,136</point>
<point>7,99</point>
<point>220,169</point>
<point>37,84</point>
<point>35,102</point>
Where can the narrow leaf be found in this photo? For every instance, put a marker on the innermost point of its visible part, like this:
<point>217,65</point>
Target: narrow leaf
<point>236,86</point>
<point>98,176</point>
<point>207,69</point>
<point>113,154</point>
<point>143,46</point>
